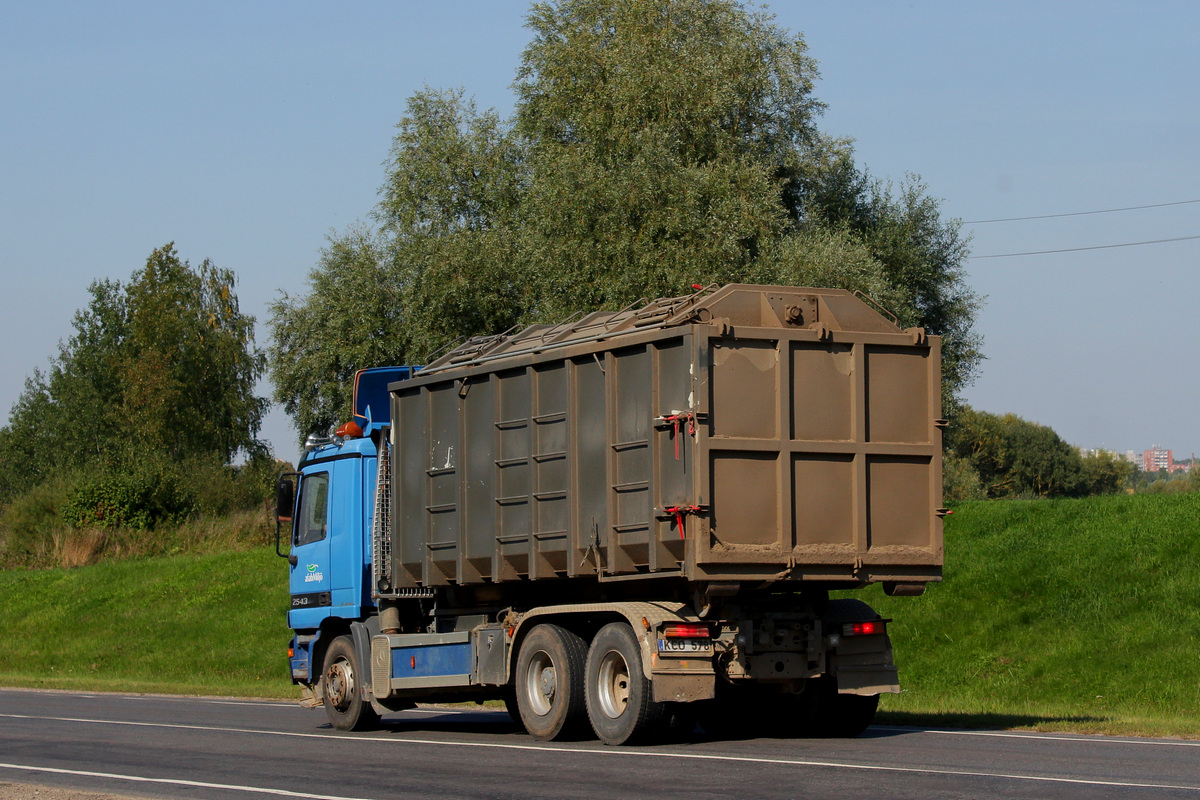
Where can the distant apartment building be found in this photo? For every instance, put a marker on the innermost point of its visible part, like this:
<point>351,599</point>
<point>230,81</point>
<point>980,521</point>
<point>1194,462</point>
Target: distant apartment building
<point>1152,460</point>
<point>1159,458</point>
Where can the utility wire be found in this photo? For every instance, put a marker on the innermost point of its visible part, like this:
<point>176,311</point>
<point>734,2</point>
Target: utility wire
<point>1080,213</point>
<point>1079,249</point>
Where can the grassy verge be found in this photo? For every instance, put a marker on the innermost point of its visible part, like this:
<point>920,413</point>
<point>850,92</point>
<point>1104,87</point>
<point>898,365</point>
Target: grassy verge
<point>1079,615</point>
<point>1076,615</point>
<point>212,624</point>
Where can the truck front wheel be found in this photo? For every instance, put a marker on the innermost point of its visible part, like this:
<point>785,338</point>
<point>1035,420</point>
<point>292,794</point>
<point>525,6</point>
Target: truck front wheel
<point>620,699</point>
<point>345,705</point>
<point>549,683</point>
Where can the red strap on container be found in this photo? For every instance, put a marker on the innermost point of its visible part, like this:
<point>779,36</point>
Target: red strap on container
<point>677,421</point>
<point>678,512</point>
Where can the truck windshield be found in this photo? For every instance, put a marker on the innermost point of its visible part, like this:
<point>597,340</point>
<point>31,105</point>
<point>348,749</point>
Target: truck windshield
<point>314,508</point>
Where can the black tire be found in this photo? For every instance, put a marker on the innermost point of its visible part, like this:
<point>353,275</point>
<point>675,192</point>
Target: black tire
<point>848,715</point>
<point>549,683</point>
<point>729,715</point>
<point>747,712</point>
<point>847,610</point>
<point>510,704</point>
<point>620,701</point>
<point>790,715</point>
<point>346,704</point>
<point>844,715</point>
<point>679,722</point>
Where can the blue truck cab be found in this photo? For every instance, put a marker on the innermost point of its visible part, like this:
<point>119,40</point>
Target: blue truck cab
<point>331,497</point>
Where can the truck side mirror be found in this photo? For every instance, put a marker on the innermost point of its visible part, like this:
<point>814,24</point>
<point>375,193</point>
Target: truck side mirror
<point>285,498</point>
<point>285,502</point>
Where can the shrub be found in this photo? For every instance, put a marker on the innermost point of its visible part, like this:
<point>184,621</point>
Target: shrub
<point>960,480</point>
<point>139,505</point>
<point>222,489</point>
<point>1105,473</point>
<point>141,499</point>
<point>29,523</point>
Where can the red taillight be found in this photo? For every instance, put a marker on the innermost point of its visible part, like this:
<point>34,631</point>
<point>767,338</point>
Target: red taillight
<point>864,628</point>
<point>291,652</point>
<point>686,631</point>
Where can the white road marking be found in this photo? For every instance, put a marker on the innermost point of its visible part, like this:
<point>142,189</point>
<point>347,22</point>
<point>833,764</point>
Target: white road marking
<point>209,701</point>
<point>631,753</point>
<point>1051,737</point>
<point>194,698</point>
<point>176,782</point>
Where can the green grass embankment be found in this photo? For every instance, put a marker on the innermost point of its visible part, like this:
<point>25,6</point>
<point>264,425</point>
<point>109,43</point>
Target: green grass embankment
<point>1058,615</point>
<point>1068,614</point>
<point>210,624</point>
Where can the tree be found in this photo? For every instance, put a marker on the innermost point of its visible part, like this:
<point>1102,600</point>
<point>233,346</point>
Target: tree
<point>1013,457</point>
<point>655,133</point>
<point>1040,463</point>
<point>24,460</point>
<point>654,145</point>
<point>188,365</point>
<point>449,209</point>
<point>440,266</point>
<point>921,254</point>
<point>1105,472</point>
<point>164,366</point>
<point>923,258</point>
<point>978,438</point>
<point>351,318</point>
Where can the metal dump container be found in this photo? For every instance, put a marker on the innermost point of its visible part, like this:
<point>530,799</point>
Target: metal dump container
<point>747,433</point>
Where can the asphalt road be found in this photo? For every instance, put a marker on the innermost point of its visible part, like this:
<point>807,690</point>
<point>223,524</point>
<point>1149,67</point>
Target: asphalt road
<point>171,747</point>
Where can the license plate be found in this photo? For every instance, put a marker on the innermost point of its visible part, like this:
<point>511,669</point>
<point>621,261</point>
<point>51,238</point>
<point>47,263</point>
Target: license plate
<point>685,646</point>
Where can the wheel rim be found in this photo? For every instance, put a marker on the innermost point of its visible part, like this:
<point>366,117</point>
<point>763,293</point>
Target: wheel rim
<point>541,683</point>
<point>613,684</point>
<point>339,684</point>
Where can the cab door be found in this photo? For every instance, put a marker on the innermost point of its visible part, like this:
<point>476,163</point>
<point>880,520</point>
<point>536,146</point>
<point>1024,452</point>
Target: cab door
<point>311,576</point>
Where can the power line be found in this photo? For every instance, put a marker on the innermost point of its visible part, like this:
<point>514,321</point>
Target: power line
<point>1079,249</point>
<point>1080,213</point>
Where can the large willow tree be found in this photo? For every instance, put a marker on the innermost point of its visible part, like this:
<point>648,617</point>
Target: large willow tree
<point>655,144</point>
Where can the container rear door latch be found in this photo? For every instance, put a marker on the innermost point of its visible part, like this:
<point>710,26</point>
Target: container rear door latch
<point>677,513</point>
<point>675,421</point>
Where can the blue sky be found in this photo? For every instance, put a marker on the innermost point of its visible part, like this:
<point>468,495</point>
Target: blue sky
<point>247,132</point>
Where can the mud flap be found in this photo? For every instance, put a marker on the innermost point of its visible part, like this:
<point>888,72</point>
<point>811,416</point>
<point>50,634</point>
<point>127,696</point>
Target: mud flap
<point>310,698</point>
<point>863,665</point>
<point>682,688</point>
<point>361,638</point>
<point>868,680</point>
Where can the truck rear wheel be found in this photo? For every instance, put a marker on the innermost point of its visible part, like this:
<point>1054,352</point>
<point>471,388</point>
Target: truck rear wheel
<point>345,704</point>
<point>732,714</point>
<point>620,700</point>
<point>748,712</point>
<point>844,715</point>
<point>549,683</point>
<point>848,715</point>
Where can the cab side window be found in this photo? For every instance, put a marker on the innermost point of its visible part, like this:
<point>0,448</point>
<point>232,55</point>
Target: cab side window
<point>314,508</point>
